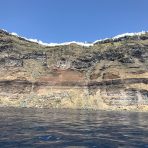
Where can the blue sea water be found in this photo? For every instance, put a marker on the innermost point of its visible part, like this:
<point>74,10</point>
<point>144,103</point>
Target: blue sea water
<point>65,128</point>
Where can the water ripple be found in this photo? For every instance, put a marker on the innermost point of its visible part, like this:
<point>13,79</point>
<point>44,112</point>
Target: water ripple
<point>72,129</point>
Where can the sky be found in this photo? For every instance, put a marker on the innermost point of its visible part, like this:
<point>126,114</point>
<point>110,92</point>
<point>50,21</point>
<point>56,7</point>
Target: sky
<point>60,21</point>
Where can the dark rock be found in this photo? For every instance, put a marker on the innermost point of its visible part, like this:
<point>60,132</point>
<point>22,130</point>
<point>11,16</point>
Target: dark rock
<point>13,62</point>
<point>6,48</point>
<point>126,60</point>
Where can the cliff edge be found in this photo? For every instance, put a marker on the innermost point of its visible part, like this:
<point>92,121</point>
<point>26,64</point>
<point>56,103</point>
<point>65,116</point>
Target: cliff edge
<point>111,74</point>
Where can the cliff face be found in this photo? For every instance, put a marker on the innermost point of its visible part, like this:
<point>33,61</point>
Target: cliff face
<point>111,74</point>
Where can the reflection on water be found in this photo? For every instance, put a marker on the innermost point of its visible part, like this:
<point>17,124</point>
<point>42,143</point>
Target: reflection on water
<point>72,128</point>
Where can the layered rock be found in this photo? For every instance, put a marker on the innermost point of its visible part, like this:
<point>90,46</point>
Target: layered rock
<point>112,74</point>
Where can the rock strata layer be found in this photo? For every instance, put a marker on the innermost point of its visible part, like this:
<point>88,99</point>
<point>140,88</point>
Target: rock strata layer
<point>110,75</point>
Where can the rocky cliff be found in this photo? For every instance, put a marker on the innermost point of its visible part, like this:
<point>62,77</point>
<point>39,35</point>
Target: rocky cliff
<point>111,74</point>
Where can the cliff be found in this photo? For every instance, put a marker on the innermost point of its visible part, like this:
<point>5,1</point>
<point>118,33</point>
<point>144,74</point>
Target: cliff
<point>111,74</point>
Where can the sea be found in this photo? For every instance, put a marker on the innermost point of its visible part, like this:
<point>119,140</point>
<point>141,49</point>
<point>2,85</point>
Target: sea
<point>67,128</point>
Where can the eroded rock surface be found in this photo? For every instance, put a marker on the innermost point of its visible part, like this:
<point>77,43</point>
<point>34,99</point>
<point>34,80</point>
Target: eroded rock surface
<point>111,75</point>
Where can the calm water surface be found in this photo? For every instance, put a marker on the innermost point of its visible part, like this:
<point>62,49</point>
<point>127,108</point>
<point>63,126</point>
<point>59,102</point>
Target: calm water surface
<point>46,128</point>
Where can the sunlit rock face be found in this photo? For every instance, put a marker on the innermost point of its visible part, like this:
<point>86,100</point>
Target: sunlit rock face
<point>111,74</point>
